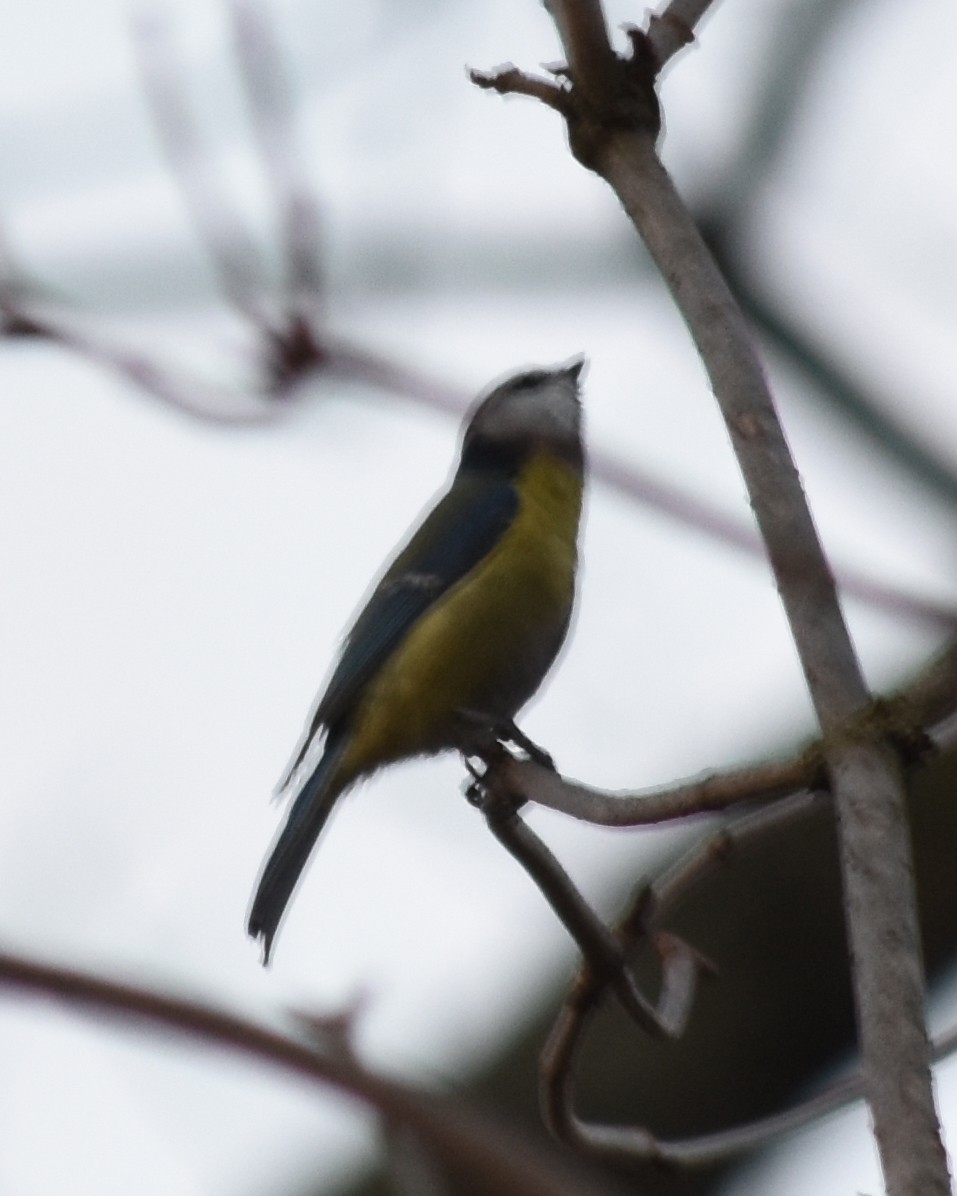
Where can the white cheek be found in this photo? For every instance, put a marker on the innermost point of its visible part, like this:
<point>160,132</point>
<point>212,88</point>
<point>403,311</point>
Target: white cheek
<point>550,411</point>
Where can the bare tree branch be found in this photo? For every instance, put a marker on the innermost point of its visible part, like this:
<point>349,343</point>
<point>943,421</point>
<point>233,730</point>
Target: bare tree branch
<point>600,948</point>
<point>509,80</point>
<point>566,1040</point>
<point>274,123</point>
<point>198,400</point>
<point>863,768</point>
<point>592,63</point>
<point>673,29</point>
<point>453,1133</point>
<point>915,720</point>
<point>232,250</point>
<point>708,794</point>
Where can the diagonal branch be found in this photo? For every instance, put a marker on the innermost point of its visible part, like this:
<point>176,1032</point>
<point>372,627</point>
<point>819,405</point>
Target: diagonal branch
<point>621,1143</point>
<point>233,252</point>
<point>453,1133</point>
<point>605,963</point>
<point>615,138</point>
<point>271,108</point>
<point>673,29</point>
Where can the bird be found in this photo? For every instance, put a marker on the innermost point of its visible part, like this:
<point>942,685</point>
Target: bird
<point>461,628</point>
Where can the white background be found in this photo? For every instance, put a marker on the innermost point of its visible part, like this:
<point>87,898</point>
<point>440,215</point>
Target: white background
<point>173,591</point>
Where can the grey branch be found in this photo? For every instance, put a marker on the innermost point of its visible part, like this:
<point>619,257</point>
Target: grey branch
<point>624,1143</point>
<point>863,766</point>
<point>453,1133</point>
<point>918,720</point>
<point>601,949</point>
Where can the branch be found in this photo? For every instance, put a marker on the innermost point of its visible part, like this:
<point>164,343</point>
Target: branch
<point>708,794</point>
<point>562,1050</point>
<point>455,1134</point>
<point>687,510</point>
<point>233,253</point>
<point>865,777</point>
<point>509,80</point>
<point>271,108</point>
<point>673,29</point>
<point>641,922</point>
<point>190,397</point>
<point>863,768</point>
<point>601,949</point>
<point>917,720</point>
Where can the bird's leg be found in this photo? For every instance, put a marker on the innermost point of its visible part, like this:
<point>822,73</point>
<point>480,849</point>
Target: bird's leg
<point>484,732</point>
<point>531,749</point>
<point>474,790</point>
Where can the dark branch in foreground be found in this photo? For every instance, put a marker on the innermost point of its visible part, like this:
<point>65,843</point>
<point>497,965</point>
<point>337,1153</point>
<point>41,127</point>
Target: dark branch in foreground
<point>454,1134</point>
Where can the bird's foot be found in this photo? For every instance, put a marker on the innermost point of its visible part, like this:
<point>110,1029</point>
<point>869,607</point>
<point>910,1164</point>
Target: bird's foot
<point>484,736</point>
<point>475,790</point>
<point>536,754</point>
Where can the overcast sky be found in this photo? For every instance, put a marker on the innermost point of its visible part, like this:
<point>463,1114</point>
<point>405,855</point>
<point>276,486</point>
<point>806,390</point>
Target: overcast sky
<point>174,590</point>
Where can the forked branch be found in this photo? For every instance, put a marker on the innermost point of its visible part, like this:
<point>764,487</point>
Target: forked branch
<point>611,120</point>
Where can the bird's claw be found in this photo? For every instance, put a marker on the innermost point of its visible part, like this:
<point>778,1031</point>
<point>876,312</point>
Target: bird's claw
<point>486,736</point>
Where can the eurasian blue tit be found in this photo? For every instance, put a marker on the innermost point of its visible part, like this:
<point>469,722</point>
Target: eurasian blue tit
<point>464,624</point>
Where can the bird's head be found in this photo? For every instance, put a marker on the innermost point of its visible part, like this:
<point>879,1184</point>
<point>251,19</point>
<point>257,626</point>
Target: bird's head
<point>534,409</point>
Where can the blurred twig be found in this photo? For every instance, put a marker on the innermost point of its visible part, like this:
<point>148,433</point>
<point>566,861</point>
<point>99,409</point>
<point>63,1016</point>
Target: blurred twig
<point>833,380</point>
<point>799,40</point>
<point>232,249</point>
<point>290,343</point>
<point>455,1134</point>
<point>272,112</point>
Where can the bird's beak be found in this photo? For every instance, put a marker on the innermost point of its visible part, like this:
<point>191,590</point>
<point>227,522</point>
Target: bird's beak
<point>574,366</point>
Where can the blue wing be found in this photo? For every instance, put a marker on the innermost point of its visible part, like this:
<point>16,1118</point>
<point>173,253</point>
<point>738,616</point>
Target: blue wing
<point>457,533</point>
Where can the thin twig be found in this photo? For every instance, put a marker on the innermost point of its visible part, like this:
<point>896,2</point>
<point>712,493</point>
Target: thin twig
<point>708,794</point>
<point>189,396</point>
<point>648,910</point>
<point>232,250</point>
<point>878,417</point>
<point>271,108</point>
<point>673,29</point>
<point>688,510</point>
<point>509,80</point>
<point>915,719</point>
<point>651,906</point>
<point>598,945</point>
<point>454,1133</point>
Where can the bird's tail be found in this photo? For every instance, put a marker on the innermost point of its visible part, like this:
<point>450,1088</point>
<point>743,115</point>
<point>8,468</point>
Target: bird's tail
<point>307,816</point>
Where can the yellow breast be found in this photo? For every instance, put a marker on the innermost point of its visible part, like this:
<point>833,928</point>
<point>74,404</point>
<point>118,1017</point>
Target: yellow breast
<point>488,642</point>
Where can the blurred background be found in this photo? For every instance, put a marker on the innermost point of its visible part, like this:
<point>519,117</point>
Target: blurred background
<point>256,259</point>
